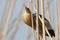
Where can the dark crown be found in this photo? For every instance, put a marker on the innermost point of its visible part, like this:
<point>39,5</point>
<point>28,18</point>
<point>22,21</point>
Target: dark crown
<point>27,9</point>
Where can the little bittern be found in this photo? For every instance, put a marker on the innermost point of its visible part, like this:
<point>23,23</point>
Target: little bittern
<point>28,21</point>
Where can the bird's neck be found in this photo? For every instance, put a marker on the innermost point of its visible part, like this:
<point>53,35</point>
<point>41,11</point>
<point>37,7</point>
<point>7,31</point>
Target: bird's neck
<point>26,14</point>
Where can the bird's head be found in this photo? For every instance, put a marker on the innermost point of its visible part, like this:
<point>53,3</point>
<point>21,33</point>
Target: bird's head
<point>27,15</point>
<point>27,10</point>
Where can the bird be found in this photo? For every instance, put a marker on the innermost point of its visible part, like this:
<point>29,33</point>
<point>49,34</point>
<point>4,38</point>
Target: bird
<point>28,20</point>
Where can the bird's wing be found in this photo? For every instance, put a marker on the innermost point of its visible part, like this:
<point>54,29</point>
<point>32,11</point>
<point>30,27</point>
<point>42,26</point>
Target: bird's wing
<point>47,23</point>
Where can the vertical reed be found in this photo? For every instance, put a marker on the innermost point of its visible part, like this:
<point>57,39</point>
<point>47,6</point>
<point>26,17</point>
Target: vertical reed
<point>56,38</point>
<point>48,11</point>
<point>31,6</point>
<point>46,30</point>
<point>37,12</point>
<point>8,19</point>
<point>17,27</point>
<point>43,26</point>
<point>48,33</point>
<point>5,13</point>
<point>28,33</point>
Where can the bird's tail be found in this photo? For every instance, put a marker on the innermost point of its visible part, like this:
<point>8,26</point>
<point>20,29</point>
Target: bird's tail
<point>52,33</point>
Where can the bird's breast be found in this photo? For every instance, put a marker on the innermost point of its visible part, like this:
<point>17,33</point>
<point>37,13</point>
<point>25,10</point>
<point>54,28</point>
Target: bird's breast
<point>27,19</point>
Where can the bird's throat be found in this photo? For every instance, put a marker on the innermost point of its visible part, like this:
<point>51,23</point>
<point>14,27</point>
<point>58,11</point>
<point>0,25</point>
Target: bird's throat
<point>27,18</point>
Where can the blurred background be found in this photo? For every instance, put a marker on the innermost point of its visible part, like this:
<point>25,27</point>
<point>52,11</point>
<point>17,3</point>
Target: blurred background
<point>12,26</point>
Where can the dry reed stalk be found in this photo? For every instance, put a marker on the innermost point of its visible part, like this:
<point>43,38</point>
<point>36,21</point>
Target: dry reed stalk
<point>17,21</point>
<point>59,27</point>
<point>11,26</point>
<point>40,37</point>
<point>53,15</point>
<point>21,9</point>
<point>31,13</point>
<point>53,19</point>
<point>57,33</point>
<point>59,2</point>
<point>7,5</point>
<point>0,33</point>
<point>43,26</point>
<point>41,21</point>
<point>28,35</point>
<point>48,33</point>
<point>37,12</point>
<point>17,18</point>
<point>17,26</point>
<point>48,11</point>
<point>6,9</point>
<point>0,28</point>
<point>32,24</point>
<point>14,33</point>
<point>31,6</point>
<point>46,29</point>
<point>8,19</point>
